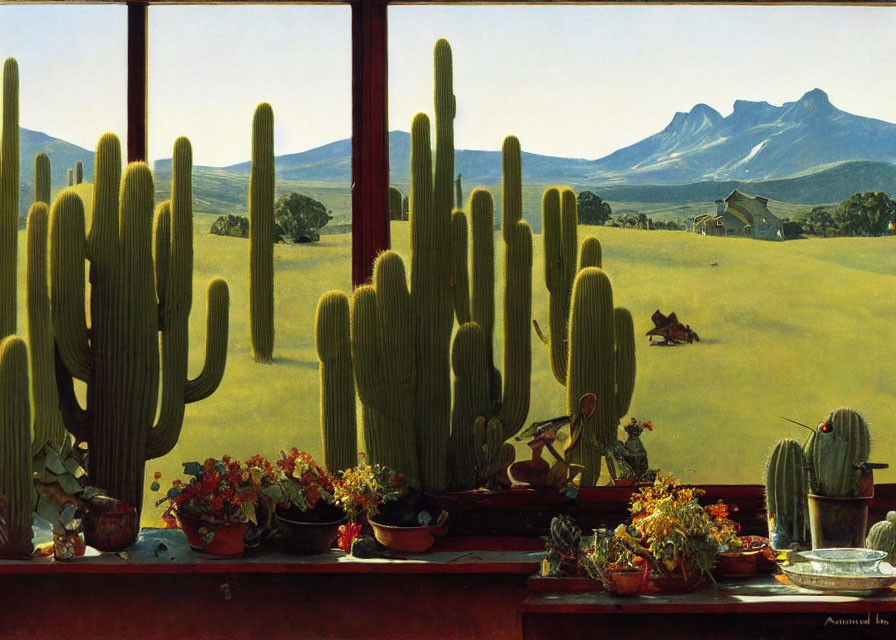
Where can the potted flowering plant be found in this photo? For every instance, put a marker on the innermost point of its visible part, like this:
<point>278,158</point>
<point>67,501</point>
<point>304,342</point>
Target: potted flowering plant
<point>215,506</point>
<point>305,508</point>
<point>613,562</point>
<point>360,491</point>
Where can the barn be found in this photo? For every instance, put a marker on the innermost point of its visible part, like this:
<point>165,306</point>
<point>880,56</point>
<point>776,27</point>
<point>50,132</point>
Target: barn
<point>741,214</point>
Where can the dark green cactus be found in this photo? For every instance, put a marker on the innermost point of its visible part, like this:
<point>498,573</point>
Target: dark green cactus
<point>79,172</point>
<point>386,366</point>
<point>261,235</point>
<point>835,452</point>
<point>460,281</point>
<point>394,204</point>
<point>15,450</point>
<point>458,191</point>
<point>48,426</point>
<point>469,358</point>
<point>786,494</point>
<point>493,455</point>
<point>482,275</point>
<point>69,178</point>
<point>42,180</point>
<point>9,197</point>
<point>337,383</point>
<point>132,302</point>
<point>559,222</point>
<point>882,536</point>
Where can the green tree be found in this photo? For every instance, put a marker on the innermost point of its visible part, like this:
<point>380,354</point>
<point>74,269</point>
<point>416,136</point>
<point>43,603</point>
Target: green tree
<point>865,214</point>
<point>231,225</point>
<point>298,218</point>
<point>592,210</point>
<point>818,219</point>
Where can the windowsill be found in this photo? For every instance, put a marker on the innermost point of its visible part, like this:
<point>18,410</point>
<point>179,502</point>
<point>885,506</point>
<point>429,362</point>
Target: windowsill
<point>146,557</point>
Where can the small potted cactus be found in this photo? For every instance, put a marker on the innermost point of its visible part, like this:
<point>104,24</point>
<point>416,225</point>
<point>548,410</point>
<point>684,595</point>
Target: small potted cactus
<point>882,537</point>
<point>840,480</point>
<point>786,495</point>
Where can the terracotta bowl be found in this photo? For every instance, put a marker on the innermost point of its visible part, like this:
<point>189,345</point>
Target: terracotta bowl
<point>409,539</point>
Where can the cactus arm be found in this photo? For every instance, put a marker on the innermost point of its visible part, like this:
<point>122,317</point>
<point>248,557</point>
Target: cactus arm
<point>48,426</point>
<point>460,281</point>
<point>9,197</point>
<point>591,254</point>
<point>625,360</point>
<point>366,356</point>
<point>42,182</point>
<point>74,417</point>
<point>216,336</point>
<point>512,188</point>
<point>337,384</point>
<point>482,275</point>
<point>102,243</point>
<point>161,242</point>
<point>261,235</point>
<point>67,284</point>
<point>517,338</point>
<point>15,448</point>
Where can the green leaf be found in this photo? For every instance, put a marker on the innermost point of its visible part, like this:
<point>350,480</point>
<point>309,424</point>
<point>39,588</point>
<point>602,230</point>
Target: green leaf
<point>192,469</point>
<point>155,486</point>
<point>54,462</point>
<point>49,510</point>
<point>71,465</point>
<point>91,492</point>
<point>249,510</point>
<point>69,484</point>
<point>67,515</point>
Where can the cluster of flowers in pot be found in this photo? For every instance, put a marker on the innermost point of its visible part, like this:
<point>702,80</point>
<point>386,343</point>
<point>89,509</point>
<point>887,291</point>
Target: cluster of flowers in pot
<point>228,490</point>
<point>670,534</point>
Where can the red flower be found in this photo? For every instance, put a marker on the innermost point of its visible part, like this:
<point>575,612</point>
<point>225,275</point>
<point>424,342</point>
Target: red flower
<point>347,534</point>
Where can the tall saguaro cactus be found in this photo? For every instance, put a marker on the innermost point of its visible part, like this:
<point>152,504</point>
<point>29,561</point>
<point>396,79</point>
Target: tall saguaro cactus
<point>261,235</point>
<point>9,197</point>
<point>15,450</point>
<point>79,172</point>
<point>42,180</point>
<point>133,299</point>
<point>601,360</point>
<point>337,383</point>
<point>386,365</point>
<point>48,426</point>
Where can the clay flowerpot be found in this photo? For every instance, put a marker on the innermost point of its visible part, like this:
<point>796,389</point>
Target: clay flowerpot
<point>221,539</point>
<point>306,536</point>
<point>109,524</point>
<point>736,564</point>
<point>838,522</point>
<point>409,539</point>
<point>626,581</point>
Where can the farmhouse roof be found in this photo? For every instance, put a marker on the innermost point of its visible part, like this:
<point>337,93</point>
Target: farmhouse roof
<point>748,207</point>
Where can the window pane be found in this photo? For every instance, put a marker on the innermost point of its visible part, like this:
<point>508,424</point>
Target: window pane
<point>209,67</point>
<point>72,84</point>
<point>789,329</point>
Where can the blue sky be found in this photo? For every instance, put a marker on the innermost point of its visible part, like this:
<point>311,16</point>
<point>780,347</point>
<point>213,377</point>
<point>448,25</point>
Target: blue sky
<point>580,81</point>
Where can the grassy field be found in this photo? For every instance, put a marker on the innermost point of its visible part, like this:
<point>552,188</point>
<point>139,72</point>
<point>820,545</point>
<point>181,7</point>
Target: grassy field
<point>787,329</point>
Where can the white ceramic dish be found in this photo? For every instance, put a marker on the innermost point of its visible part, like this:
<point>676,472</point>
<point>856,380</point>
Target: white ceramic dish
<point>804,575</point>
<point>844,560</point>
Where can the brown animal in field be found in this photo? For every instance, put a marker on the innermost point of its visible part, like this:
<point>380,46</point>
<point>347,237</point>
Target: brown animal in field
<point>671,330</point>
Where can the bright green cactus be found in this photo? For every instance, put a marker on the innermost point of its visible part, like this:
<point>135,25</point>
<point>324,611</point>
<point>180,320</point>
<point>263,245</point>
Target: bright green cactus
<point>9,197</point>
<point>42,181</point>
<point>261,235</point>
<point>133,300</point>
<point>385,366</point>
<point>15,450</point>
<point>48,425</point>
<point>337,383</point>
<point>786,494</point>
<point>591,254</point>
<point>835,453</point>
<point>601,360</point>
<point>882,536</point>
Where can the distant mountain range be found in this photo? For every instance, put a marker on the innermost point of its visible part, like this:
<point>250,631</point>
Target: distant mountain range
<point>804,151</point>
